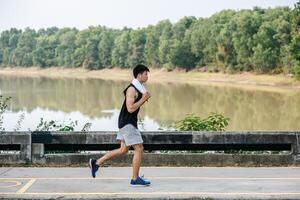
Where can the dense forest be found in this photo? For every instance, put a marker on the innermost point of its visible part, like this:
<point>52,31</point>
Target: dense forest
<point>258,40</point>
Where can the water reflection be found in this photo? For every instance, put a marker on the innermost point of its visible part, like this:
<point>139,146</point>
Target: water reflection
<point>85,100</point>
<point>104,123</point>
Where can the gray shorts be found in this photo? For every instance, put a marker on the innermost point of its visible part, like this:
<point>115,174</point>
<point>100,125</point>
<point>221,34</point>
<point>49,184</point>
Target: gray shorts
<point>130,135</point>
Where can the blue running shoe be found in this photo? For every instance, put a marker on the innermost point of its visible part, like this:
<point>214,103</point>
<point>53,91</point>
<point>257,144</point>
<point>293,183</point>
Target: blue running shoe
<point>140,182</point>
<point>93,166</point>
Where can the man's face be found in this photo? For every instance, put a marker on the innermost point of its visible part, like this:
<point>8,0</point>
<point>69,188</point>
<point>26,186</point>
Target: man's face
<point>144,76</point>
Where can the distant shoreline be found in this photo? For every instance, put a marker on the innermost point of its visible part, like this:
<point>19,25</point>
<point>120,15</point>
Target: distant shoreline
<point>241,80</point>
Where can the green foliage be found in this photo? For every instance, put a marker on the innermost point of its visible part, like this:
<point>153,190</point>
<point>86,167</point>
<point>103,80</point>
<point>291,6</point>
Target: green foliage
<point>66,46</point>
<point>260,40</point>
<point>165,42</point>
<point>294,46</point>
<point>58,126</point>
<point>136,48</point>
<point>214,122</point>
<point>266,52</point>
<point>43,125</point>
<point>121,50</point>
<point>3,108</point>
<point>152,46</point>
<point>55,126</point>
<point>19,122</point>
<point>87,126</point>
<point>105,47</point>
<point>1,56</point>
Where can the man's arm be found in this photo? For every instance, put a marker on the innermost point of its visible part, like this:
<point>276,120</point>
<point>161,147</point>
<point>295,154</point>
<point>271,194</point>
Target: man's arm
<point>130,98</point>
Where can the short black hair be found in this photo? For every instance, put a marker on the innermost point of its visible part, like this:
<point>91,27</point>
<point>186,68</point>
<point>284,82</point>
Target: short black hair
<point>140,68</point>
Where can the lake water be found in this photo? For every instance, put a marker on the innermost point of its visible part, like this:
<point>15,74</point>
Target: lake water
<point>98,102</point>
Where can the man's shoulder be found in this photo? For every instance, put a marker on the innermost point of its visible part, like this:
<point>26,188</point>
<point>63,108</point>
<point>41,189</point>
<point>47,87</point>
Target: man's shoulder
<point>131,90</point>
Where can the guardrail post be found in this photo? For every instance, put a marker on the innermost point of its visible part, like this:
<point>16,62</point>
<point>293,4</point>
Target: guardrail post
<point>296,148</point>
<point>37,155</point>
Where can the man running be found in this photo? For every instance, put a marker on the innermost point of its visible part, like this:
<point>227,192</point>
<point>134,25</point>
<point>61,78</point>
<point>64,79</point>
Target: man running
<point>129,135</point>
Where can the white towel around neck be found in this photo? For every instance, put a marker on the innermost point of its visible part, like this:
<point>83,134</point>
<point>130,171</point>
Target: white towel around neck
<point>139,86</point>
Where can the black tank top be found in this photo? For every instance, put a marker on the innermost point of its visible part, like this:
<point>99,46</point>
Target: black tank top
<point>126,117</point>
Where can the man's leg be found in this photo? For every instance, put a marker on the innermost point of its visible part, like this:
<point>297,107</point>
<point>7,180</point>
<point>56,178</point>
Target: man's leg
<point>137,159</point>
<point>94,164</point>
<point>114,153</point>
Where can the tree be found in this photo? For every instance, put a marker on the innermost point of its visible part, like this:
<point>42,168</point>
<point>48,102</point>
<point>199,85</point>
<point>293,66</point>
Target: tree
<point>66,47</point>
<point>295,43</point>
<point>1,56</point>
<point>105,47</point>
<point>44,55</point>
<point>165,42</point>
<point>136,48</point>
<point>181,54</point>
<point>85,48</point>
<point>199,35</point>
<point>182,26</point>
<point>247,24</point>
<point>25,47</point>
<point>261,40</point>
<point>80,51</point>
<point>47,32</point>
<point>151,46</point>
<point>266,52</point>
<point>8,43</point>
<point>91,60</point>
<point>121,49</point>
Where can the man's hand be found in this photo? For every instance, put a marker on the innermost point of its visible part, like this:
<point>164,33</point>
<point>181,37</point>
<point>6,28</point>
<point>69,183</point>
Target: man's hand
<point>130,99</point>
<point>146,96</point>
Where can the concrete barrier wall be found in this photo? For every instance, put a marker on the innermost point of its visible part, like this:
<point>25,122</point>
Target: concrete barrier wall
<point>33,148</point>
<point>21,138</point>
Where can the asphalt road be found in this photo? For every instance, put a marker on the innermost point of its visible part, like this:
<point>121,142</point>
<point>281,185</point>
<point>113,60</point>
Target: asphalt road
<point>166,183</point>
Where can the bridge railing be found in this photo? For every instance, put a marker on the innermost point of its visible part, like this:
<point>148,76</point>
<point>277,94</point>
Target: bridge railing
<point>161,148</point>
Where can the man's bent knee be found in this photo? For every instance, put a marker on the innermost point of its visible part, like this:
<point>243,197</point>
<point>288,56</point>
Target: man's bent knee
<point>123,151</point>
<point>138,147</point>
